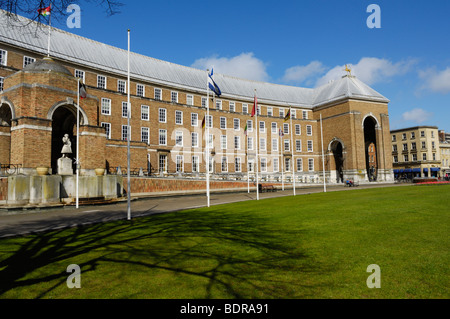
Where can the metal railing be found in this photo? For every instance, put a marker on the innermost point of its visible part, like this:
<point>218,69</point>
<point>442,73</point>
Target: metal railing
<point>9,169</point>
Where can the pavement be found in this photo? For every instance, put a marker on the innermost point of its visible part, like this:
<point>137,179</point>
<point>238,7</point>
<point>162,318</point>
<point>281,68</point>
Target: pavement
<point>28,221</point>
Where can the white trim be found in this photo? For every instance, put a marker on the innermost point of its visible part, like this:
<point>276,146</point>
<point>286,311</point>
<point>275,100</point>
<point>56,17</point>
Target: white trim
<point>31,127</point>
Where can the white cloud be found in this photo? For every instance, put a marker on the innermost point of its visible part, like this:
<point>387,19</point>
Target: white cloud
<point>245,66</point>
<point>417,115</point>
<point>302,73</point>
<point>436,81</point>
<point>370,70</point>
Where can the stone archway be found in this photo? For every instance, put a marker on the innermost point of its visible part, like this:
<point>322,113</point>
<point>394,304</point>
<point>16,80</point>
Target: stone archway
<point>6,115</point>
<point>63,116</point>
<point>336,148</point>
<point>370,125</point>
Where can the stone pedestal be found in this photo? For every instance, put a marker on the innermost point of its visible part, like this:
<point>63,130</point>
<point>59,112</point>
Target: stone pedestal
<point>65,166</point>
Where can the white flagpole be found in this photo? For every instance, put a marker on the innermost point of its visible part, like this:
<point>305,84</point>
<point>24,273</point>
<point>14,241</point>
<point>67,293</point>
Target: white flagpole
<point>208,199</point>
<point>248,164</point>
<point>323,157</point>
<point>292,150</point>
<point>49,30</point>
<point>257,142</point>
<point>281,159</point>
<point>128,135</point>
<point>77,162</point>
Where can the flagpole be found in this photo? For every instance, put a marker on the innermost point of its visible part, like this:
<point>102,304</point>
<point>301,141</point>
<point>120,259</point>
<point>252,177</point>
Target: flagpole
<point>77,162</point>
<point>128,135</point>
<point>248,164</point>
<point>292,149</point>
<point>323,157</point>
<point>208,199</point>
<point>49,30</point>
<point>281,158</point>
<point>257,142</point>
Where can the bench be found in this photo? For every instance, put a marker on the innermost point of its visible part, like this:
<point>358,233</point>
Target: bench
<point>266,188</point>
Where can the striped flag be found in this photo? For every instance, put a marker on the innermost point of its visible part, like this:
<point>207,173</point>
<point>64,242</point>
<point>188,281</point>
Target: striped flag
<point>204,121</point>
<point>212,85</point>
<point>82,90</point>
<point>245,129</point>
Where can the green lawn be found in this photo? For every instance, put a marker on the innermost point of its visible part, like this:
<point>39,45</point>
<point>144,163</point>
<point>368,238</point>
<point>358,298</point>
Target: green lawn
<point>307,246</point>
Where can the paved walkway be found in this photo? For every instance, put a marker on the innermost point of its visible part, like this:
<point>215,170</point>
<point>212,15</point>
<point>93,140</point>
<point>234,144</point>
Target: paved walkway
<point>22,222</point>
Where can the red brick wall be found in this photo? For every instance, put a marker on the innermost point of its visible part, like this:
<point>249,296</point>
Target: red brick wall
<point>149,185</point>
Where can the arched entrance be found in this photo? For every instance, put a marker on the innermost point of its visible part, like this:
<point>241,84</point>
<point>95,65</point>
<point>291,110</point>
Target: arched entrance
<point>6,115</point>
<point>63,122</point>
<point>370,147</point>
<point>337,149</point>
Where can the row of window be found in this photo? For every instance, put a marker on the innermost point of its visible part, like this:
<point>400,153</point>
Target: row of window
<point>412,135</point>
<point>179,161</point>
<point>413,146</point>
<point>162,118</point>
<point>162,139</point>
<point>414,157</point>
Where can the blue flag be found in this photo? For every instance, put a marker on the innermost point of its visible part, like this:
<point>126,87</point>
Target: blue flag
<point>212,85</point>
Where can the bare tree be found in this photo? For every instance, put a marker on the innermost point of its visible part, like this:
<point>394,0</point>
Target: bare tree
<point>30,8</point>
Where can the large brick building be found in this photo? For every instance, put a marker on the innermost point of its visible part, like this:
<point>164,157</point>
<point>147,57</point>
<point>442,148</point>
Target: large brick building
<point>168,103</point>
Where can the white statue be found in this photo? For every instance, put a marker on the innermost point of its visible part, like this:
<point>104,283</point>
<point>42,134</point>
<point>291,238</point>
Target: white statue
<point>67,146</point>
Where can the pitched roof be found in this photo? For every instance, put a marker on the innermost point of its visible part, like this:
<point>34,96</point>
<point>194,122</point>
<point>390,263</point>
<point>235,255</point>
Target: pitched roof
<point>79,50</point>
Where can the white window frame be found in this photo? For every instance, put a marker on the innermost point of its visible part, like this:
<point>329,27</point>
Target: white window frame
<point>121,86</point>
<point>223,123</point>
<point>223,142</point>
<point>125,131</point>
<point>194,139</point>
<point>106,106</point>
<point>178,117</point>
<point>174,96</point>
<point>298,129</point>
<point>311,164</point>
<point>194,119</point>
<point>237,164</point>
<point>162,115</point>
<point>237,124</point>
<point>3,57</point>
<point>179,138</point>
<point>224,164</point>
<point>107,127</point>
<point>142,87</point>
<point>28,60</point>
<point>274,144</point>
<point>162,137</point>
<point>80,74</point>
<point>299,164</point>
<point>195,164</point>
<point>125,109</point>
<point>232,107</point>
<point>298,145</point>
<point>145,113</point>
<point>310,146</point>
<point>237,142</point>
<point>101,82</point>
<point>145,131</point>
<point>245,108</point>
<point>275,165</point>
<point>189,99</point>
<point>179,164</point>
<point>157,94</point>
<point>309,130</point>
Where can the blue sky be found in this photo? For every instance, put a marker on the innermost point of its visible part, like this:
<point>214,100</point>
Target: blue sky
<point>301,43</point>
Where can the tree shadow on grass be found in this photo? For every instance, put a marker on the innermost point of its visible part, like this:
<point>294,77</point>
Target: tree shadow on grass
<point>219,254</point>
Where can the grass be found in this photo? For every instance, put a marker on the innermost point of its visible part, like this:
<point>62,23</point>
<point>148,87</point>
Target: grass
<point>308,246</point>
